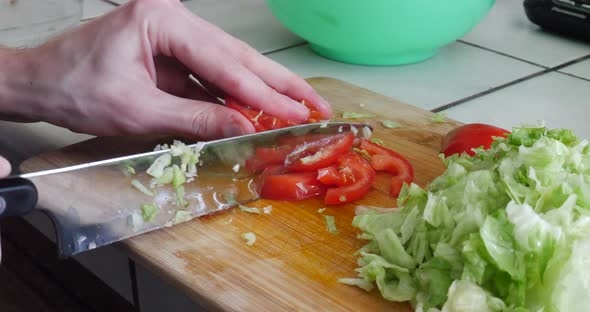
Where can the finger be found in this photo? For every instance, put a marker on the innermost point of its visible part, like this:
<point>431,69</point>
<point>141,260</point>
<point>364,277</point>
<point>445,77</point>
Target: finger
<point>211,88</point>
<point>4,167</point>
<point>171,75</point>
<point>193,119</point>
<point>214,64</point>
<point>174,78</point>
<point>197,92</point>
<point>282,80</point>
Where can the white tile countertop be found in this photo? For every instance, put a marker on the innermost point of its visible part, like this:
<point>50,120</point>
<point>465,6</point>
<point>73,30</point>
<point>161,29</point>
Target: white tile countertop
<point>506,71</point>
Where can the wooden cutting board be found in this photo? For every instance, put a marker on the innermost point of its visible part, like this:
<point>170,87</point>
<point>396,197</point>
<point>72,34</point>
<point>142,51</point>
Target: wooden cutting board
<point>295,263</point>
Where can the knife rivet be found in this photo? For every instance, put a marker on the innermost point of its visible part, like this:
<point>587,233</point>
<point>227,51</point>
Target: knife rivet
<point>2,205</point>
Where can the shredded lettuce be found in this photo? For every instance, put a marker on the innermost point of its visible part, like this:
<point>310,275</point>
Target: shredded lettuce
<point>142,188</point>
<point>377,141</point>
<point>390,124</point>
<point>439,118</point>
<point>249,209</point>
<point>156,170</point>
<point>363,153</point>
<point>367,132</point>
<point>507,229</point>
<point>179,217</point>
<point>250,238</point>
<point>331,224</point>
<point>130,169</point>
<point>355,115</point>
<point>149,212</point>
<point>135,221</point>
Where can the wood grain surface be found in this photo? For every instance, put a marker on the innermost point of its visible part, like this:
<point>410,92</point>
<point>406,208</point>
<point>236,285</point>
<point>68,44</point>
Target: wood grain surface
<point>295,263</point>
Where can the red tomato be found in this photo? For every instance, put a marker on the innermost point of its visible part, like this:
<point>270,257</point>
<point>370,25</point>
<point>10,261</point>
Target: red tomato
<point>291,186</point>
<point>467,137</point>
<point>263,122</point>
<point>384,159</point>
<point>363,173</point>
<point>396,166</point>
<point>267,156</point>
<point>335,175</point>
<point>314,155</point>
<point>290,140</point>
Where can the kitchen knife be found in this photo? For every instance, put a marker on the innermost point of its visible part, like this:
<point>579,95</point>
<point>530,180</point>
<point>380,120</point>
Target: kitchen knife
<point>96,204</point>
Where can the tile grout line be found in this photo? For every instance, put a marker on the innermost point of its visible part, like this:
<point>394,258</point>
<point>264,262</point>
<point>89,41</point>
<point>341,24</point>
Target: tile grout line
<point>491,90</point>
<point>285,48</point>
<point>572,62</point>
<point>574,76</point>
<point>502,53</point>
<point>546,70</point>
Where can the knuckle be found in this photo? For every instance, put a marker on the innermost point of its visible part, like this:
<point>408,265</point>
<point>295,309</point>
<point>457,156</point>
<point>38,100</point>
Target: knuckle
<point>141,8</point>
<point>200,122</point>
<point>234,83</point>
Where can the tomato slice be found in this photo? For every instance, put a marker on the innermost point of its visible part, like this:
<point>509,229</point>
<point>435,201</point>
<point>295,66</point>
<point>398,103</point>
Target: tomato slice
<point>336,175</point>
<point>290,186</point>
<point>263,122</point>
<point>313,155</point>
<point>267,156</point>
<point>397,167</point>
<point>363,173</point>
<point>384,159</point>
<point>251,114</point>
<point>467,137</point>
<point>292,140</point>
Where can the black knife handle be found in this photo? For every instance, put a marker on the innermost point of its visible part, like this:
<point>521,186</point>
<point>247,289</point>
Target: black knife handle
<point>18,197</point>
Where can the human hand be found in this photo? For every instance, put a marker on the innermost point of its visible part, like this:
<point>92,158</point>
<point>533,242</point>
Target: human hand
<point>127,72</point>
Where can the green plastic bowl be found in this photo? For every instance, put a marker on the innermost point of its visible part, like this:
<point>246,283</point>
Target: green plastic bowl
<point>379,32</point>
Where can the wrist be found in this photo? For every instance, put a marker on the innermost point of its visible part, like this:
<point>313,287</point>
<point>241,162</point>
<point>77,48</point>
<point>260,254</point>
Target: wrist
<point>20,96</point>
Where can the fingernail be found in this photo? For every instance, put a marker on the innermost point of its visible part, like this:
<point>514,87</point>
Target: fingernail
<point>301,110</point>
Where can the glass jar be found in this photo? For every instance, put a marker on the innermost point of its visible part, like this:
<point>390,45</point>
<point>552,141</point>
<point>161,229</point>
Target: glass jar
<point>25,23</point>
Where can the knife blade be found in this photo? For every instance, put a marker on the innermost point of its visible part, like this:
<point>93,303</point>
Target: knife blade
<point>96,204</point>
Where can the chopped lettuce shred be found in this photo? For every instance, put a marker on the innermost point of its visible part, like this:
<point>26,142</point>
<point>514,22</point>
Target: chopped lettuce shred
<point>142,188</point>
<point>355,115</point>
<point>149,212</point>
<point>390,124</point>
<point>130,169</point>
<point>377,141</point>
<point>507,229</point>
<point>249,209</point>
<point>135,221</point>
<point>439,118</point>
<point>250,238</point>
<point>180,216</point>
<point>367,132</point>
<point>176,166</point>
<point>331,224</point>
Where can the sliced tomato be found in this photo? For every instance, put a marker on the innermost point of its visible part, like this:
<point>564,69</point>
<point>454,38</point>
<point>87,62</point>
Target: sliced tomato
<point>251,114</point>
<point>363,174</point>
<point>384,159</point>
<point>267,156</point>
<point>293,140</point>
<point>397,167</point>
<point>321,153</point>
<point>263,122</point>
<point>290,186</point>
<point>336,175</point>
<point>467,137</point>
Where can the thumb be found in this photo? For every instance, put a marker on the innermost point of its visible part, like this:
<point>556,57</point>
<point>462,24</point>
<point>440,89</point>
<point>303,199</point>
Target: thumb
<point>4,167</point>
<point>195,119</point>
